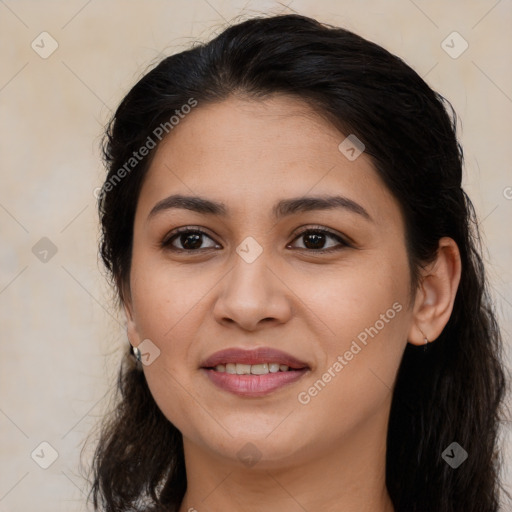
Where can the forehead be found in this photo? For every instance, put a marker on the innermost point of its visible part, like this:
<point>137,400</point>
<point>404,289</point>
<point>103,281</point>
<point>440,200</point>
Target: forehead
<point>248,153</point>
<point>239,126</point>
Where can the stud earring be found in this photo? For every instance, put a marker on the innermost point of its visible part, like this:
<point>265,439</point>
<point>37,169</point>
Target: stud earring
<point>136,354</point>
<point>425,341</point>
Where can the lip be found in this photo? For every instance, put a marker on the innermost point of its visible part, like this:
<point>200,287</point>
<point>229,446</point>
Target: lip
<point>253,385</point>
<point>255,356</point>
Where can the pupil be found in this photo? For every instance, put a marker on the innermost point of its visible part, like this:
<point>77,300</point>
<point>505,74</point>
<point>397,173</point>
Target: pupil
<point>196,241</point>
<point>318,240</point>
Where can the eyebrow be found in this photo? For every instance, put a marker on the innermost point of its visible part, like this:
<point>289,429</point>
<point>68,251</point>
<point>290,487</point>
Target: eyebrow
<point>282,208</point>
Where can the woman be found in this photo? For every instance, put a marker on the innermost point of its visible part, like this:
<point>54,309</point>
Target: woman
<point>284,223</point>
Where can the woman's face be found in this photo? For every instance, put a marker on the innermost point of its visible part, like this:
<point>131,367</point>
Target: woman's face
<point>252,280</point>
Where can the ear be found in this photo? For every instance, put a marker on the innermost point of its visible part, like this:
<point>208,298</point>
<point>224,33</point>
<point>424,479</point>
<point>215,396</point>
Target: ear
<point>436,294</point>
<point>131,326</point>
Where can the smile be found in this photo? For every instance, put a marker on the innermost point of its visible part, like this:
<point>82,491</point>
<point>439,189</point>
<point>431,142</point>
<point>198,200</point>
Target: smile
<point>253,384</point>
<point>252,369</point>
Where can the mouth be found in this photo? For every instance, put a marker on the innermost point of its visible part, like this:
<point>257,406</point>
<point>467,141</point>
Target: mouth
<point>253,373</point>
<point>257,361</point>
<point>253,385</point>
<point>253,369</point>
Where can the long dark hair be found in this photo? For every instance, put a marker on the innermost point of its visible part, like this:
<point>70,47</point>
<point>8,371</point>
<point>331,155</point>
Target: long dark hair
<point>452,393</point>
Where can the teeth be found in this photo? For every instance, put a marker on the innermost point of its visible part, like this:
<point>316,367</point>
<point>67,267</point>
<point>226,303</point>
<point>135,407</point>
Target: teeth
<point>259,369</point>
<point>251,369</point>
<point>243,369</point>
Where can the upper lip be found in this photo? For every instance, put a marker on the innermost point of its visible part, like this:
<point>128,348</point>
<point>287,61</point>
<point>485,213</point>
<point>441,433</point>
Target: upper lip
<point>255,356</point>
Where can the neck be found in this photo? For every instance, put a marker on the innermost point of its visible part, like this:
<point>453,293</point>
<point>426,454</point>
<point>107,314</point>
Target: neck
<point>349,477</point>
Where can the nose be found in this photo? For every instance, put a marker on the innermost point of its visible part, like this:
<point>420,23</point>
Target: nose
<point>252,295</point>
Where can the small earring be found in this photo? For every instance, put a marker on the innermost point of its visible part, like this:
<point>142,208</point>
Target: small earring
<point>425,341</point>
<point>136,354</point>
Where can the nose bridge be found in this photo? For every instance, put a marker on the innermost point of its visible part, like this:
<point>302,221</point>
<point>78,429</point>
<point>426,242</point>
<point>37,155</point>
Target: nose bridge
<point>252,255</point>
<point>251,291</point>
<point>250,280</point>
<point>252,266</point>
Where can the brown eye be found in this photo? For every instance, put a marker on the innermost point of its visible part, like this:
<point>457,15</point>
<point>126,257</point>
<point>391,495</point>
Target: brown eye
<point>189,239</point>
<point>315,240</point>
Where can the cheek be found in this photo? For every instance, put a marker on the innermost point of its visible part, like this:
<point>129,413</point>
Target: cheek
<point>166,296</point>
<point>167,305</point>
<point>353,298</point>
<point>365,310</point>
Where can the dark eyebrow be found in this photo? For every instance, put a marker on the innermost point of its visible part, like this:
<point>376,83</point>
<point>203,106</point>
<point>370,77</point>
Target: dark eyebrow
<point>283,208</point>
<point>193,203</point>
<point>305,204</point>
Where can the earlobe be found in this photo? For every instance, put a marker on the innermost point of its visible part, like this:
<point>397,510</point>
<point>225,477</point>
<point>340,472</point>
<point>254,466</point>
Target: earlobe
<point>436,294</point>
<point>131,326</point>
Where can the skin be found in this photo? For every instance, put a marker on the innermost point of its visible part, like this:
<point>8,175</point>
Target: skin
<point>328,454</point>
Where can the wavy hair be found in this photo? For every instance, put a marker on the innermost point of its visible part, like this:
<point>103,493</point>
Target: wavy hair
<point>455,391</point>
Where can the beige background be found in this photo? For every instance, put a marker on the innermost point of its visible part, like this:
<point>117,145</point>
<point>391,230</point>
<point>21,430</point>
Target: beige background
<point>61,336</point>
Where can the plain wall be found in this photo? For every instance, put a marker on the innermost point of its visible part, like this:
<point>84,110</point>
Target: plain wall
<point>61,335</point>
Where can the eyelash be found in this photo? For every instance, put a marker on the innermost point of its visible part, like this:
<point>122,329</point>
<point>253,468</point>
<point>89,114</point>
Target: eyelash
<point>166,244</point>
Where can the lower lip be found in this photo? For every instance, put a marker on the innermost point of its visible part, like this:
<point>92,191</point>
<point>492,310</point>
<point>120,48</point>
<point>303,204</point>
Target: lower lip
<point>253,385</point>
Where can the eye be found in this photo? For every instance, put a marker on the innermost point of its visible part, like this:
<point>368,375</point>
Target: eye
<point>190,239</point>
<point>314,239</point>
